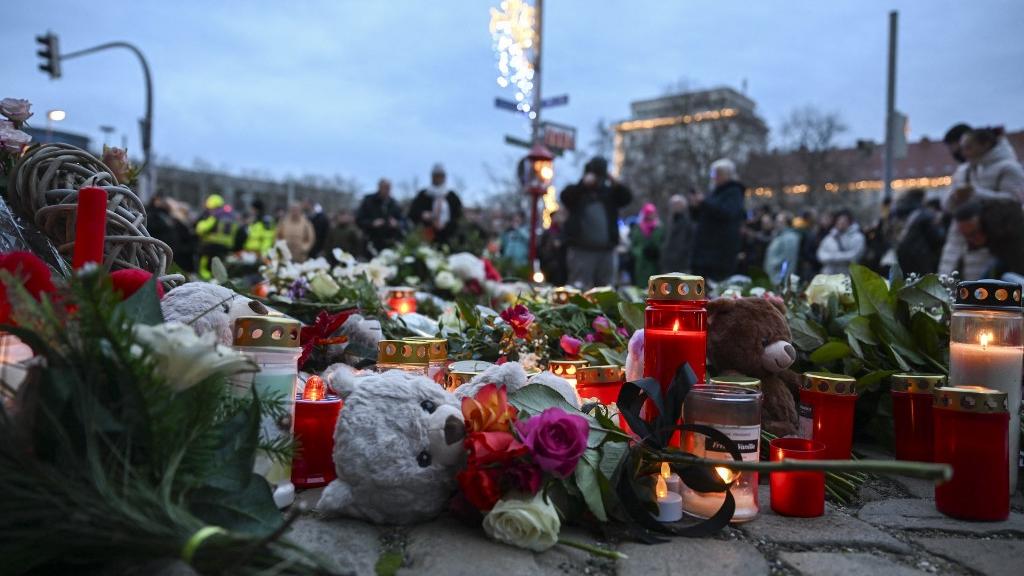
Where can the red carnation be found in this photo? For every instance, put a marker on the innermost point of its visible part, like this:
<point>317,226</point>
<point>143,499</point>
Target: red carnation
<point>128,282</point>
<point>34,274</point>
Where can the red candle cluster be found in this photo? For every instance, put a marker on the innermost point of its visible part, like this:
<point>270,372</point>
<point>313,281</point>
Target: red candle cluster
<point>316,415</point>
<point>912,398</point>
<point>827,403</point>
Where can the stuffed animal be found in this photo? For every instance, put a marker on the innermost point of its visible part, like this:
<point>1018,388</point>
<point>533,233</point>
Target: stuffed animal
<point>397,447</point>
<point>209,308</point>
<point>750,336</point>
<point>512,377</point>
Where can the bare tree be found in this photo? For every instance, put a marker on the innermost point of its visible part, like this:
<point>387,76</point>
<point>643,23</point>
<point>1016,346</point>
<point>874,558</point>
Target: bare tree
<point>810,135</point>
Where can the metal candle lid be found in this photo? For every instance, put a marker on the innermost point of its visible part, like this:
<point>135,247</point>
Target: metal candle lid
<point>741,381</point>
<point>599,374</point>
<point>988,294</point>
<point>401,292</point>
<point>828,383</point>
<point>676,286</point>
<point>562,294</point>
<point>403,352</point>
<point>437,347</point>
<point>917,383</point>
<point>567,368</point>
<point>267,331</point>
<point>976,399</point>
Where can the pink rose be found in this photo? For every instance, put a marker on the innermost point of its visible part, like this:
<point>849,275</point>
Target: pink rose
<point>601,325</point>
<point>556,438</point>
<point>117,160</point>
<point>13,140</point>
<point>570,345</point>
<point>519,318</point>
<point>621,331</point>
<point>590,337</point>
<point>16,109</point>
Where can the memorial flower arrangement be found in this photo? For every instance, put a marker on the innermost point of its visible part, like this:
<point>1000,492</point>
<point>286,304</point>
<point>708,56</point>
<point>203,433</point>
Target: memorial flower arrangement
<point>125,444</point>
<point>13,140</point>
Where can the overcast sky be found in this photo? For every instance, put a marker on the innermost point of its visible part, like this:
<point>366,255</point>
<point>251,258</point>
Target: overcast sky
<point>385,88</point>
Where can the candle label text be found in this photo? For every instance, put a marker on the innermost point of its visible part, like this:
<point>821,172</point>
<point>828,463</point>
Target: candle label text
<point>747,439</point>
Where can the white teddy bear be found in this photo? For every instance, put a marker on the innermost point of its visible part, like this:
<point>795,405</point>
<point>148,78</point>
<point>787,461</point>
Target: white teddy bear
<point>209,308</point>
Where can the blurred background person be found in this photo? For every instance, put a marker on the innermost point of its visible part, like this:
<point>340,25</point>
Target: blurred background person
<point>720,216</point>
<point>321,225</point>
<point>380,218</point>
<point>844,245</point>
<point>167,220</point>
<point>782,257</point>
<point>344,235</point>
<point>645,242</point>
<point>436,209</point>
<point>515,244</point>
<point>259,232</point>
<point>216,231</point>
<point>678,243</point>
<point>920,235</point>
<point>551,251</point>
<point>592,225</point>
<point>297,232</point>
<point>994,223</point>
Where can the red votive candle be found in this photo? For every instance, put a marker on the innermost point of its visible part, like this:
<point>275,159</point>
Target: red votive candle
<point>912,399</point>
<point>316,415</point>
<point>675,326</point>
<point>971,429</point>
<point>90,226</point>
<point>402,300</point>
<point>800,494</point>
<point>602,384</point>
<point>826,410</point>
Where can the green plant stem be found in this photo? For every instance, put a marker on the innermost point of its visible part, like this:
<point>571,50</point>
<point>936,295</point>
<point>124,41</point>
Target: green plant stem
<point>596,551</point>
<point>913,469</point>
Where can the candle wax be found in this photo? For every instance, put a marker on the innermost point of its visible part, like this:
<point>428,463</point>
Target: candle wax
<point>670,507</point>
<point>666,350</point>
<point>706,504</point>
<point>996,367</point>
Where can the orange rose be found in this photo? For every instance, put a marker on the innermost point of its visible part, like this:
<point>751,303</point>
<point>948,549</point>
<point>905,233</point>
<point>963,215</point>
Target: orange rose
<point>489,411</point>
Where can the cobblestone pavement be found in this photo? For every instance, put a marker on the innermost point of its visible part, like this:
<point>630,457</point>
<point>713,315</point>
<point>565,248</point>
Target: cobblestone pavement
<point>894,530</point>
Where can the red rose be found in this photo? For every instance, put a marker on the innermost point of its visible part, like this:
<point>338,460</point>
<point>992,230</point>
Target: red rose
<point>490,272</point>
<point>34,274</point>
<point>480,486</point>
<point>524,477</point>
<point>571,346</point>
<point>519,318</point>
<point>493,448</point>
<point>128,282</point>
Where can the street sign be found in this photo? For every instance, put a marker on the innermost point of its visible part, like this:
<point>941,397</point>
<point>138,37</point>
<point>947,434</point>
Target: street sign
<point>516,141</point>
<point>507,105</point>
<point>558,136</point>
<point>555,101</point>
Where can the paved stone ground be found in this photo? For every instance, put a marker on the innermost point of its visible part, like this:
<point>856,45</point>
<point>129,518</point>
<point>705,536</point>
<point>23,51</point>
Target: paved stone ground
<point>893,530</point>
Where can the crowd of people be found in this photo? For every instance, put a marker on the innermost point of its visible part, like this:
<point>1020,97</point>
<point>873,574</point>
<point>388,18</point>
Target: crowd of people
<point>976,227</point>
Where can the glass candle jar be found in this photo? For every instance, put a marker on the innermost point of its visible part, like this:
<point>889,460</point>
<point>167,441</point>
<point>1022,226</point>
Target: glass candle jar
<point>463,371</point>
<point>735,412</point>
<point>561,295</point>
<point>403,355</point>
<point>797,493</point>
<point>567,369</point>
<point>675,326</point>
<point>826,409</point>
<point>437,358</point>
<point>971,435</point>
<point>985,348</point>
<point>401,300</point>
<point>738,380</point>
<point>601,384</point>
<point>316,415</point>
<point>912,399</point>
<point>273,344</point>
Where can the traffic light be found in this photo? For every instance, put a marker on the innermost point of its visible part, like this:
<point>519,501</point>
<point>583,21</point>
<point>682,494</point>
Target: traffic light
<point>49,51</point>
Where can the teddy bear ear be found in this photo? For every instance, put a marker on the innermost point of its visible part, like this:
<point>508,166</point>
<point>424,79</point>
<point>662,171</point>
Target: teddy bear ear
<point>720,306</point>
<point>341,378</point>
<point>778,305</point>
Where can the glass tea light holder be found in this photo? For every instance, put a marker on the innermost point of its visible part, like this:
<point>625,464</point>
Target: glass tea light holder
<point>827,403</point>
<point>437,358</point>
<point>316,415</point>
<point>602,384</point>
<point>985,348</point>
<point>912,399</point>
<point>272,342</point>
<point>797,493</point>
<point>403,355</point>
<point>735,412</point>
<point>401,300</point>
<point>675,326</point>
<point>567,369</point>
<point>971,436</point>
<point>462,371</point>
<point>561,295</point>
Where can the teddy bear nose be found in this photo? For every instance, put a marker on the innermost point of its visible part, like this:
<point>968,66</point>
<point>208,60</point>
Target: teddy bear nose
<point>454,430</point>
<point>790,351</point>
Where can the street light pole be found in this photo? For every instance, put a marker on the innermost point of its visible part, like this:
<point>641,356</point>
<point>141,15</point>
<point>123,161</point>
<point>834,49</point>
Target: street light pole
<point>890,104</point>
<point>535,129</point>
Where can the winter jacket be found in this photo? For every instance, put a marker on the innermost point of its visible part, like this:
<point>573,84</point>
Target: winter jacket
<point>717,239</point>
<point>374,207</point>
<point>298,234</point>
<point>646,251</point>
<point>424,202</point>
<point>515,246</point>
<point>678,246</point>
<point>784,248</point>
<point>996,174</point>
<point>576,197</point>
<point>838,250</point>
<point>920,242</point>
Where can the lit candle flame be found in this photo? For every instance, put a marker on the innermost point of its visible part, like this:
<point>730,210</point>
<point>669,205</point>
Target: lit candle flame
<point>675,325</point>
<point>984,338</point>
<point>314,389</point>
<point>665,470</point>
<point>404,307</point>
<point>725,474</point>
<point>661,489</point>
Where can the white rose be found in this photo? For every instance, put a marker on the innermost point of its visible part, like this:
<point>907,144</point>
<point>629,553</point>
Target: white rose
<point>532,524</point>
<point>433,263</point>
<point>823,286</point>
<point>16,109</point>
<point>187,358</point>
<point>467,266</point>
<point>13,140</point>
<point>445,280</point>
<point>324,286</point>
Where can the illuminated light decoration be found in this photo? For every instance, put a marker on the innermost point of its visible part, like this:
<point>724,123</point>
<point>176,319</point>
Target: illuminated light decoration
<point>550,199</point>
<point>663,121</point>
<point>512,32</point>
<point>861,185</point>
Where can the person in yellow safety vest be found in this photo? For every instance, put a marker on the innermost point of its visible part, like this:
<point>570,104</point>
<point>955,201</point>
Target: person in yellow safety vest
<point>261,233</point>
<point>216,231</point>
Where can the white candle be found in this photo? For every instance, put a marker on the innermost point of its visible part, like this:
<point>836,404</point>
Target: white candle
<point>706,504</point>
<point>670,504</point>
<point>997,367</point>
<point>672,480</point>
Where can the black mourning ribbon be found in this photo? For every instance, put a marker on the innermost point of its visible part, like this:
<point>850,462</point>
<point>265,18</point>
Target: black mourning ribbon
<point>656,435</point>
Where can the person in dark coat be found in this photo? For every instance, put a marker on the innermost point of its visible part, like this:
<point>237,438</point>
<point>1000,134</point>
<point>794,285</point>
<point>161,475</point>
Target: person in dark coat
<point>163,224</point>
<point>920,240</point>
<point>321,225</point>
<point>678,246</point>
<point>380,218</point>
<point>720,216</point>
<point>436,209</point>
<point>592,226</point>
<point>551,251</point>
<point>996,223</point>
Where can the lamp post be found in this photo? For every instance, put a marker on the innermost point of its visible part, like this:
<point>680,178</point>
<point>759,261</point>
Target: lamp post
<point>51,117</point>
<point>536,171</point>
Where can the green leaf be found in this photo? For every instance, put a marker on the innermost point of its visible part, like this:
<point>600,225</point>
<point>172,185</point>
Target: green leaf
<point>586,481</point>
<point>536,398</point>
<point>860,328</point>
<point>871,380</point>
<point>250,510</point>
<point>871,292</point>
<point>830,352</point>
<point>468,313</point>
<point>613,357</point>
<point>926,292</point>
<point>807,334</point>
<point>235,452</point>
<point>896,278</point>
<point>632,315</point>
<point>612,454</point>
<point>143,307</point>
<point>220,273</point>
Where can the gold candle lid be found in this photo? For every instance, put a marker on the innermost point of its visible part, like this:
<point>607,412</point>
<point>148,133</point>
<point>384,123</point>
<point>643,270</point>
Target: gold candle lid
<point>736,380</point>
<point>976,399</point>
<point>562,294</point>
<point>676,286</point>
<point>917,383</point>
<point>267,331</point>
<point>403,352</point>
<point>828,383</point>
<point>401,292</point>
<point>458,378</point>
<point>437,347</point>
<point>599,374</point>
<point>566,368</point>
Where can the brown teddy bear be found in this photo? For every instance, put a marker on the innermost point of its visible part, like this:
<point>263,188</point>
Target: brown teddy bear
<point>750,337</point>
